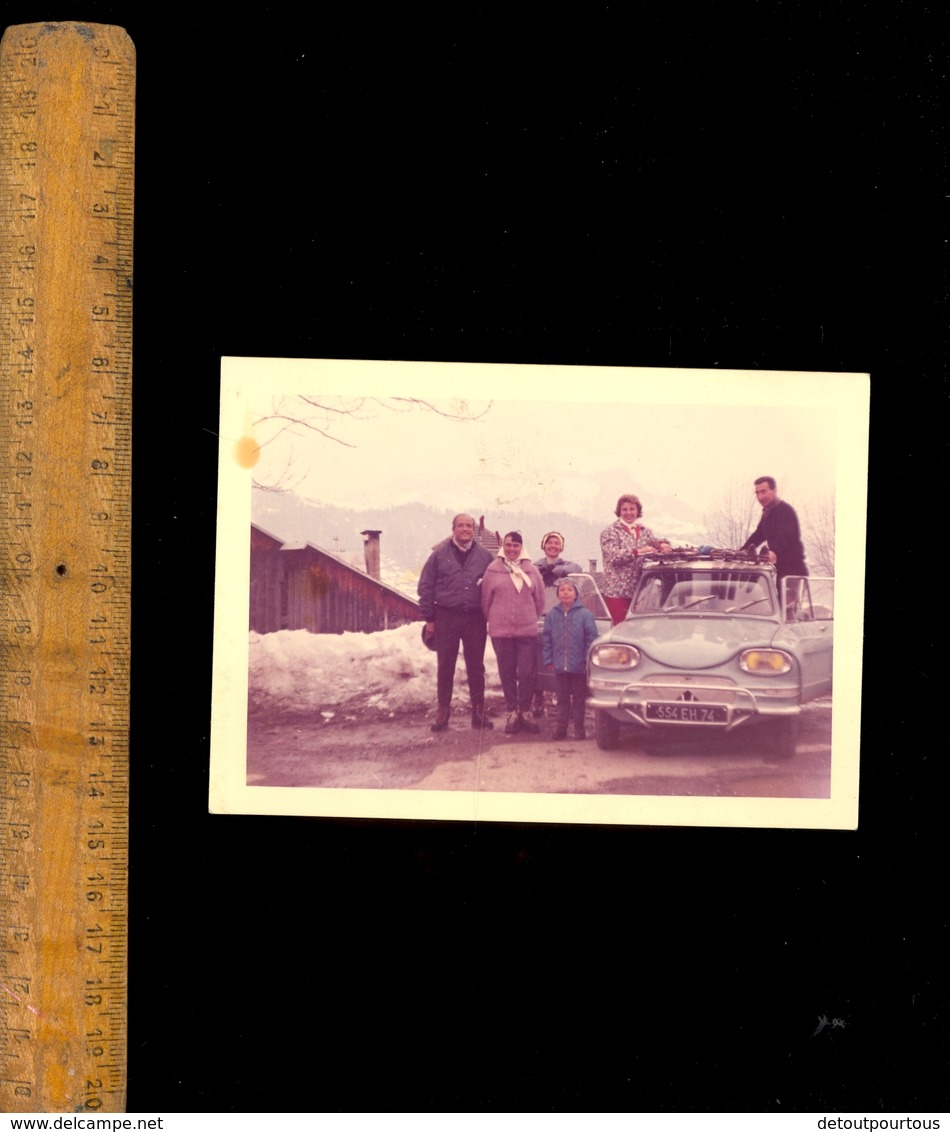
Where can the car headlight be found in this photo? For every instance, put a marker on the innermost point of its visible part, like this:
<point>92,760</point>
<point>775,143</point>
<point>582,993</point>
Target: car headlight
<point>615,656</point>
<point>765,662</point>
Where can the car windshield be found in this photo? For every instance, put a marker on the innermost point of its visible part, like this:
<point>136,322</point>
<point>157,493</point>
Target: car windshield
<point>589,596</point>
<point>684,590</point>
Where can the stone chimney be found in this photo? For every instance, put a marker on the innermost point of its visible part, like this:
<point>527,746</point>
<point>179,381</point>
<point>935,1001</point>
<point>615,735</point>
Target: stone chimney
<point>371,550</point>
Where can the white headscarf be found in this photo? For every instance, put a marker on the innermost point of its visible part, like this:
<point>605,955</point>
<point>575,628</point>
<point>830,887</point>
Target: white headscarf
<point>518,576</point>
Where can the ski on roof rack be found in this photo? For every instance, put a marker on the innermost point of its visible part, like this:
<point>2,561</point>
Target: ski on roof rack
<point>705,554</point>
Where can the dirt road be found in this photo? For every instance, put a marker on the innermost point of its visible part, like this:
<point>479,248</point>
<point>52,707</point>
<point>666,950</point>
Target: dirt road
<point>402,753</point>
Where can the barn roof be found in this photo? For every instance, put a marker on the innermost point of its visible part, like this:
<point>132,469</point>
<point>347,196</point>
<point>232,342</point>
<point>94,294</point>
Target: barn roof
<point>256,527</point>
<point>338,561</point>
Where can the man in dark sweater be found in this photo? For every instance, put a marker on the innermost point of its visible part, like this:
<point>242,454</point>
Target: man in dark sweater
<point>778,527</point>
<point>450,601</point>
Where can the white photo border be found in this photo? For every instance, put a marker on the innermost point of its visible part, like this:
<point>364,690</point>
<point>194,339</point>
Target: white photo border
<point>244,380</point>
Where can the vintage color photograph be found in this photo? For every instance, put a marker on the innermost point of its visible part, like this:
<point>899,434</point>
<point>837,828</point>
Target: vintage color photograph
<point>539,593</point>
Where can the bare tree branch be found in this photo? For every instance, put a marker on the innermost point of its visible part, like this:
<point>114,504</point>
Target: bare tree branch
<point>300,414</point>
<point>462,415</point>
<point>819,535</point>
<point>348,407</point>
<point>282,481</point>
<point>294,422</point>
<point>735,520</point>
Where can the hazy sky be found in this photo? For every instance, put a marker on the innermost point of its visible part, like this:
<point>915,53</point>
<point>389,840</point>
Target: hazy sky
<point>553,439</point>
<point>551,455</point>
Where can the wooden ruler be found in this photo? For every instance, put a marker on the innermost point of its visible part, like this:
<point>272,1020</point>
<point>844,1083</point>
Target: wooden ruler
<point>66,188</point>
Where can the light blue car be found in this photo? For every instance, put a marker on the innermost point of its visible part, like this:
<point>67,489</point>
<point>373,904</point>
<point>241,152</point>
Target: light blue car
<point>713,643</point>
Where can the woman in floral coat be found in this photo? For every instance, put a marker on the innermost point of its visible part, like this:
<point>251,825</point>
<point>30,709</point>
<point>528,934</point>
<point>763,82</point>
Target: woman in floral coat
<point>622,544</point>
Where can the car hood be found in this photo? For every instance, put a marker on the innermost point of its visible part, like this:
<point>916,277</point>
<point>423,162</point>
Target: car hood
<point>688,641</point>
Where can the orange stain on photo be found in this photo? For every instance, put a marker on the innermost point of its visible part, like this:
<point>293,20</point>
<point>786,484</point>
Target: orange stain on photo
<point>247,451</point>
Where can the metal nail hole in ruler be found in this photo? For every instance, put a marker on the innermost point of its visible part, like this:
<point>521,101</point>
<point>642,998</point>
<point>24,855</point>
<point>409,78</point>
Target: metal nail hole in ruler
<point>66,194</point>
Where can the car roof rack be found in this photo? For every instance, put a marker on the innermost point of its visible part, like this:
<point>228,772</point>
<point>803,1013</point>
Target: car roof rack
<point>680,554</point>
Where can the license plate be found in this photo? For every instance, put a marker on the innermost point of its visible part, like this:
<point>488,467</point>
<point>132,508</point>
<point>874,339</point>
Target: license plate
<point>687,713</point>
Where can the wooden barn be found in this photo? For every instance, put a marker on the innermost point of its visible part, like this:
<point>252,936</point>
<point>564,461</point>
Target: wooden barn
<point>267,581</point>
<point>305,587</point>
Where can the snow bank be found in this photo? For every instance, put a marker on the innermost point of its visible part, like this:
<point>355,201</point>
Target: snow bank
<point>294,672</point>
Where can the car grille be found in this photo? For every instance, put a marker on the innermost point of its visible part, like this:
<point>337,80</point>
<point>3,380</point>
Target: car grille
<point>709,690</point>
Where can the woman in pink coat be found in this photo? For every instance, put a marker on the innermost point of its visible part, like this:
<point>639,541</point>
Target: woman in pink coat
<point>512,601</point>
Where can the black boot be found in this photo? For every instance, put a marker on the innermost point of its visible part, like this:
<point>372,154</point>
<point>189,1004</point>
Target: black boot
<point>525,724</point>
<point>478,718</point>
<point>441,719</point>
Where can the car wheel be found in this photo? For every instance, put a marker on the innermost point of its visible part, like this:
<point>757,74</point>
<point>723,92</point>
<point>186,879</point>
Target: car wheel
<point>606,731</point>
<point>785,737</point>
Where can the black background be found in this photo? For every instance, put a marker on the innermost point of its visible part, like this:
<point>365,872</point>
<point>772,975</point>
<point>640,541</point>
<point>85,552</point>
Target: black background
<point>743,185</point>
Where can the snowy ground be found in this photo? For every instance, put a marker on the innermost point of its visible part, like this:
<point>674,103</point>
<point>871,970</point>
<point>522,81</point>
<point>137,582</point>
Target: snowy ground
<point>350,676</point>
<point>354,711</point>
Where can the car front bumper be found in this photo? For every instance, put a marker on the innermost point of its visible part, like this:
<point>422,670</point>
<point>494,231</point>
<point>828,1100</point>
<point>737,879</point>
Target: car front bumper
<point>692,701</point>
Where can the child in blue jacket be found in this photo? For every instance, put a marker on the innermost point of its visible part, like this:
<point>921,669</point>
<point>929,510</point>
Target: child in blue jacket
<point>569,631</point>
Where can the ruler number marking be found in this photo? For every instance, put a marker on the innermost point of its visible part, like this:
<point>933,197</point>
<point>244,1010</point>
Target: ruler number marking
<point>34,570</point>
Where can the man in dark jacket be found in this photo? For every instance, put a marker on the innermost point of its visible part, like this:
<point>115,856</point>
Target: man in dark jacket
<point>779,528</point>
<point>450,601</point>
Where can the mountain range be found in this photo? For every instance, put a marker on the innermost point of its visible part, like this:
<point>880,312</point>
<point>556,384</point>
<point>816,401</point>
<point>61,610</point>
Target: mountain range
<point>410,530</point>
